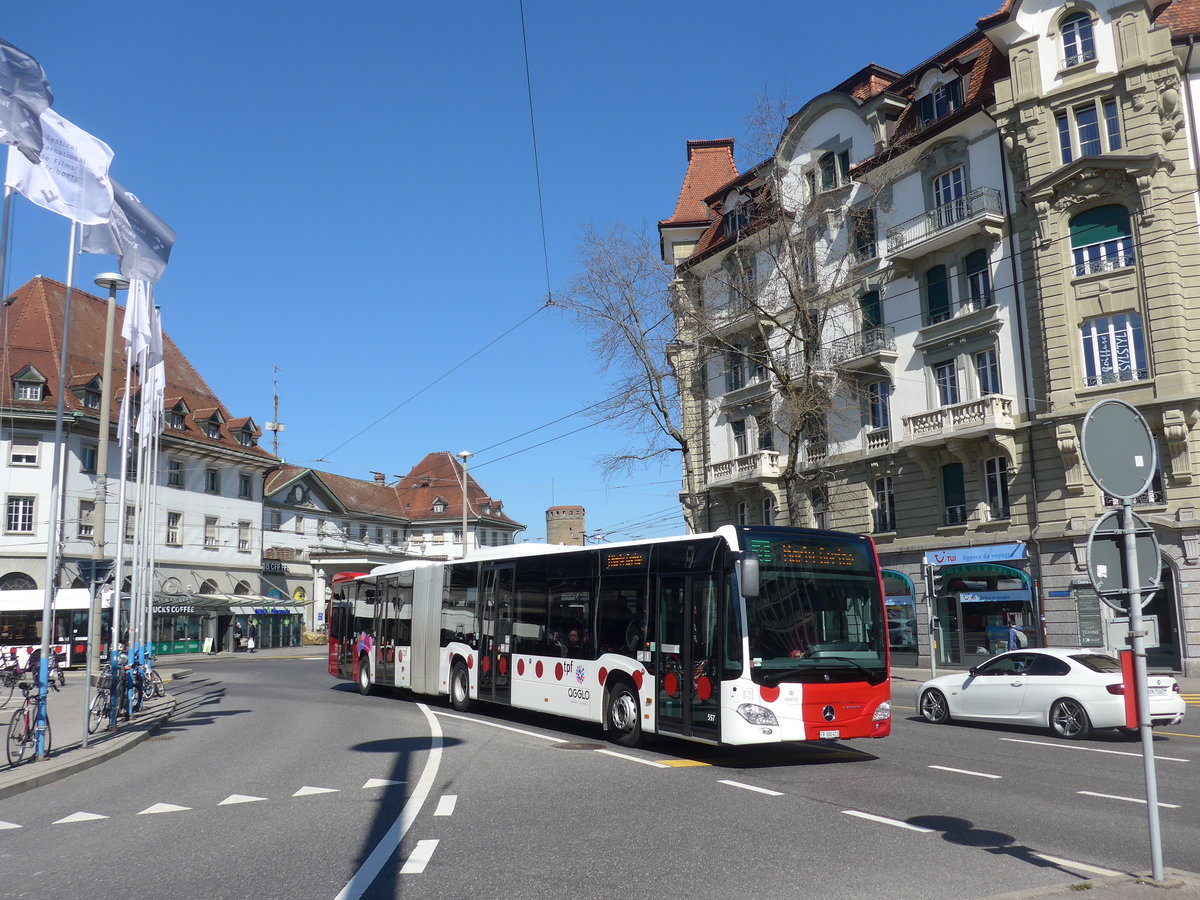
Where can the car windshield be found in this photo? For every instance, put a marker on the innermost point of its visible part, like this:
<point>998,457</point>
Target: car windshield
<point>818,612</point>
<point>1097,662</point>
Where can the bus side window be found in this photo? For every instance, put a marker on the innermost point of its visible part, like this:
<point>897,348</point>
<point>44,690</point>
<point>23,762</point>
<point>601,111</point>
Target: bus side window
<point>529,629</point>
<point>459,617</point>
<point>621,624</point>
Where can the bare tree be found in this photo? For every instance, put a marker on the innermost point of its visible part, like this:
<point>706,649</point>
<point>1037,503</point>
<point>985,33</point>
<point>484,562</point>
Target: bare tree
<point>621,296</point>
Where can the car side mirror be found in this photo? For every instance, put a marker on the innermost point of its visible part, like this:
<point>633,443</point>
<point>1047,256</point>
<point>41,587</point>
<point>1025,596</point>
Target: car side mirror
<point>972,671</point>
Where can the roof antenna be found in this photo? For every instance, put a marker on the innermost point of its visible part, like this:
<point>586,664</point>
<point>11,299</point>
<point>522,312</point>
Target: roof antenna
<point>275,426</point>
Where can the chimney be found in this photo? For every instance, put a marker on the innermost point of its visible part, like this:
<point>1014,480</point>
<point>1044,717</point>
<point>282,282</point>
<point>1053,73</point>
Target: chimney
<point>380,478</point>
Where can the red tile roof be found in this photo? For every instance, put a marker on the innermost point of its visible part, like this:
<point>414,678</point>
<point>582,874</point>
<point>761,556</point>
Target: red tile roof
<point>1181,16</point>
<point>34,322</point>
<point>710,165</point>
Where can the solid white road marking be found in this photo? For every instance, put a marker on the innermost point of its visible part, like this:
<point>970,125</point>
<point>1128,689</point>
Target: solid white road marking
<point>1082,867</point>
<point>750,787</point>
<point>419,858</point>
<point>445,806</point>
<point>4,825</point>
<point>881,819</point>
<point>1091,749</point>
<point>636,759</point>
<point>162,808</point>
<point>965,772</point>
<point>391,841</point>
<point>380,782</point>
<point>239,798</point>
<point>544,737</point>
<point>306,791</point>
<point>1126,799</point>
<point>80,817</point>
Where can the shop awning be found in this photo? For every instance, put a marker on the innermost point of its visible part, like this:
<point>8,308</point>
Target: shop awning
<point>976,570</point>
<point>897,587</point>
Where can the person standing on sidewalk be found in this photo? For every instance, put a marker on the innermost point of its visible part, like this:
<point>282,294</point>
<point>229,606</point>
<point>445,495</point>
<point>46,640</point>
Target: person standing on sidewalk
<point>237,635</point>
<point>253,642</point>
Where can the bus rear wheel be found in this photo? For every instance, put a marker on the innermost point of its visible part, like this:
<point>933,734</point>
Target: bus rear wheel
<point>364,676</point>
<point>623,716</point>
<point>460,687</point>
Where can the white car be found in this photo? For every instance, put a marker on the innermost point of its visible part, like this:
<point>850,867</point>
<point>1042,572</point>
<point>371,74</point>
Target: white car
<point>1071,691</point>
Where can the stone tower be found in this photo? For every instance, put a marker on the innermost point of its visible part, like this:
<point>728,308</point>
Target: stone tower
<point>564,525</point>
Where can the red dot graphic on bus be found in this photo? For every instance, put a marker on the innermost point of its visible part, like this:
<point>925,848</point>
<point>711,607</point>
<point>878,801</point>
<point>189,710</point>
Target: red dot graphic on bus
<point>470,662</point>
<point>671,684</point>
<point>770,694</point>
<point>486,663</point>
<point>703,687</point>
<point>520,667</point>
<point>603,674</point>
<point>502,665</point>
<point>637,679</point>
<point>537,670</point>
<point>558,671</point>
<point>399,656</point>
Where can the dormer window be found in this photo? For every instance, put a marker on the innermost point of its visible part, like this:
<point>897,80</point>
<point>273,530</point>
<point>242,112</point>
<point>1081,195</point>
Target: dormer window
<point>944,99</point>
<point>175,420</point>
<point>29,390</point>
<point>439,506</point>
<point>245,437</point>
<point>212,430</point>
<point>29,384</point>
<point>91,399</point>
<point>1079,45</point>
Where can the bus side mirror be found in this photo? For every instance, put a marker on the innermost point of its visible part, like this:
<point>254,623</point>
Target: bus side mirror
<point>748,574</point>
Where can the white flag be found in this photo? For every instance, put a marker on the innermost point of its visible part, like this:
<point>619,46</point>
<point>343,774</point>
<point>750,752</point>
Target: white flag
<point>72,179</point>
<point>138,327</point>
<point>154,381</point>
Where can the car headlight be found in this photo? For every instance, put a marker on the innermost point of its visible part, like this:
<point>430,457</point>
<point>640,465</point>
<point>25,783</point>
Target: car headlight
<point>757,715</point>
<point>882,711</point>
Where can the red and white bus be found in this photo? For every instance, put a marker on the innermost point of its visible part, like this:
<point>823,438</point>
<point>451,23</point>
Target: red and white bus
<point>747,635</point>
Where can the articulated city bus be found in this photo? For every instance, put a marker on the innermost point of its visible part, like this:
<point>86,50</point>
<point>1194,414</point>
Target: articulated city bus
<point>747,635</point>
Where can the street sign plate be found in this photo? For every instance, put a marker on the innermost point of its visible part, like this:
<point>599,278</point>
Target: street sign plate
<point>1118,449</point>
<point>1105,559</point>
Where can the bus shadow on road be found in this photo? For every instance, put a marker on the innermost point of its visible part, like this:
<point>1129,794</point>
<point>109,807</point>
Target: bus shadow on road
<point>964,833</point>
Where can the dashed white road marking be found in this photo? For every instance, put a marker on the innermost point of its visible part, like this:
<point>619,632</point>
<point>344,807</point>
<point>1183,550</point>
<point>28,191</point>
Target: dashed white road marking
<point>239,798</point>
<point>751,787</point>
<point>80,817</point>
<point>383,851</point>
<point>884,821</point>
<point>1082,867</point>
<point>162,808</point>
<point>419,858</point>
<point>307,791</point>
<point>965,772</point>
<point>4,825</point>
<point>1091,749</point>
<point>445,805</point>
<point>1126,799</point>
<point>636,759</point>
<point>380,782</point>
<point>544,737</point>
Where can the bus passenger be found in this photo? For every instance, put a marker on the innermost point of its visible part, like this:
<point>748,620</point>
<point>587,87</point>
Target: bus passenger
<point>574,648</point>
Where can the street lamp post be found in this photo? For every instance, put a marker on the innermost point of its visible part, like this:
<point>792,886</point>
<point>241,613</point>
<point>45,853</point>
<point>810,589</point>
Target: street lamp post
<point>114,282</point>
<point>464,455</point>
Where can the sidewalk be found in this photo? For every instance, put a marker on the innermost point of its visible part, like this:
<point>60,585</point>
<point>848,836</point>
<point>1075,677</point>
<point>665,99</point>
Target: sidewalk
<point>67,721</point>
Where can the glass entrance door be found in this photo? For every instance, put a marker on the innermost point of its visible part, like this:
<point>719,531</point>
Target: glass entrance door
<point>688,655</point>
<point>495,658</point>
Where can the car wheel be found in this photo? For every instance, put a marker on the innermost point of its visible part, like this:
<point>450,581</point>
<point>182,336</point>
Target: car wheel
<point>624,724</point>
<point>460,687</point>
<point>1068,719</point>
<point>934,707</point>
<point>364,676</point>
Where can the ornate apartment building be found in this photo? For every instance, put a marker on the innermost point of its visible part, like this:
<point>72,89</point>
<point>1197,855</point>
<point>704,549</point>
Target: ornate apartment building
<point>897,323</point>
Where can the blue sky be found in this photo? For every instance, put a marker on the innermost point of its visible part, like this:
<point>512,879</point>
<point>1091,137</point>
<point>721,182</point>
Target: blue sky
<point>354,193</point>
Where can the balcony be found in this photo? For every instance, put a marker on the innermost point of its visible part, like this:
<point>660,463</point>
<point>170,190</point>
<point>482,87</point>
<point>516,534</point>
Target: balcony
<point>865,349</point>
<point>747,469</point>
<point>946,224</point>
<point>758,388</point>
<point>973,418</point>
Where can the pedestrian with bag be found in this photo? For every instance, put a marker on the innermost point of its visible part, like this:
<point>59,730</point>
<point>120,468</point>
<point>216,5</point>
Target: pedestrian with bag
<point>252,644</point>
<point>237,635</point>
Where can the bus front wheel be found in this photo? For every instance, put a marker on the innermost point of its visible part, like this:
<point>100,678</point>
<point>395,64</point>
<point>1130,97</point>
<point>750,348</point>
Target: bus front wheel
<point>460,687</point>
<point>364,676</point>
<point>624,722</point>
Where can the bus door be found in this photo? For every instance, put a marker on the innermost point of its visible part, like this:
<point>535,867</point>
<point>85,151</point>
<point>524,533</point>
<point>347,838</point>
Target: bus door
<point>688,655</point>
<point>495,654</point>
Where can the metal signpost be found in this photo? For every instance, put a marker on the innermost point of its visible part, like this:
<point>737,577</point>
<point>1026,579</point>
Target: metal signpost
<point>1120,455</point>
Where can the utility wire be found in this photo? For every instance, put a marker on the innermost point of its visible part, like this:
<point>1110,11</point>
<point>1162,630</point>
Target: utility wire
<point>537,169</point>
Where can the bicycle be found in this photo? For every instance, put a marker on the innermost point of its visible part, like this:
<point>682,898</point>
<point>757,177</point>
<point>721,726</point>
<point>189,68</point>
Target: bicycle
<point>22,728</point>
<point>10,677</point>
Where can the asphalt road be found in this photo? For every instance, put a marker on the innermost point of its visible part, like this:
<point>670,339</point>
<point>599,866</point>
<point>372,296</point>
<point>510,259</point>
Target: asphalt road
<point>272,780</point>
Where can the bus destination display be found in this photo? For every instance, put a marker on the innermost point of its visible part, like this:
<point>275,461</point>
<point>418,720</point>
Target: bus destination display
<point>625,559</point>
<point>809,555</point>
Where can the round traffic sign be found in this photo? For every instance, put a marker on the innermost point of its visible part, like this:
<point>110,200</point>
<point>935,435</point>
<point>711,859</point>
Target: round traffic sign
<point>1106,560</point>
<point>1118,449</point>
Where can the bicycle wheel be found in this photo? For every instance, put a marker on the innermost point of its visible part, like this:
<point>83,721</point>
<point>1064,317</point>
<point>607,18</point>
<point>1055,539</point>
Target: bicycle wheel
<point>98,711</point>
<point>156,683</point>
<point>20,743</point>
<point>8,685</point>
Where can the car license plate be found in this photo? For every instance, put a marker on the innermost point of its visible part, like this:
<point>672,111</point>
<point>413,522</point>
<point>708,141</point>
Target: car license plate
<point>1157,691</point>
<point>831,734</point>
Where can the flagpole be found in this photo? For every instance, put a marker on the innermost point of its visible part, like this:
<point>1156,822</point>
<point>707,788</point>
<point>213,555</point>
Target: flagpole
<point>52,524</point>
<point>4,226</point>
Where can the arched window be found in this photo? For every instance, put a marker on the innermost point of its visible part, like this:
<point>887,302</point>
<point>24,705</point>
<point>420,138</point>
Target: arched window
<point>1079,45</point>
<point>241,588</point>
<point>1101,240</point>
<point>208,587</point>
<point>17,581</point>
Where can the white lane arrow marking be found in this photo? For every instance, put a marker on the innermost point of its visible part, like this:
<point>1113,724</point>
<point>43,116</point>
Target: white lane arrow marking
<point>4,825</point>
<point>80,817</point>
<point>380,782</point>
<point>239,798</point>
<point>306,790</point>
<point>162,808</point>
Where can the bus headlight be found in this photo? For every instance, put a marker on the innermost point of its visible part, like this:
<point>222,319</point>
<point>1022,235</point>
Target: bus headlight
<point>882,712</point>
<point>757,715</point>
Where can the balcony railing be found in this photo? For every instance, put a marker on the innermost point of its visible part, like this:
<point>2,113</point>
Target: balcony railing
<point>983,201</point>
<point>748,468</point>
<point>990,411</point>
<point>869,341</point>
<point>879,439</point>
<point>955,515</point>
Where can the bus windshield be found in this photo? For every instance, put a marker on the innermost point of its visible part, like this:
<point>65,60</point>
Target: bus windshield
<point>819,613</point>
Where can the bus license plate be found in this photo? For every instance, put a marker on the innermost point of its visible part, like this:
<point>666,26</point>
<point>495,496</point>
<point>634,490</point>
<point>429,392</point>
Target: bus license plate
<point>831,734</point>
